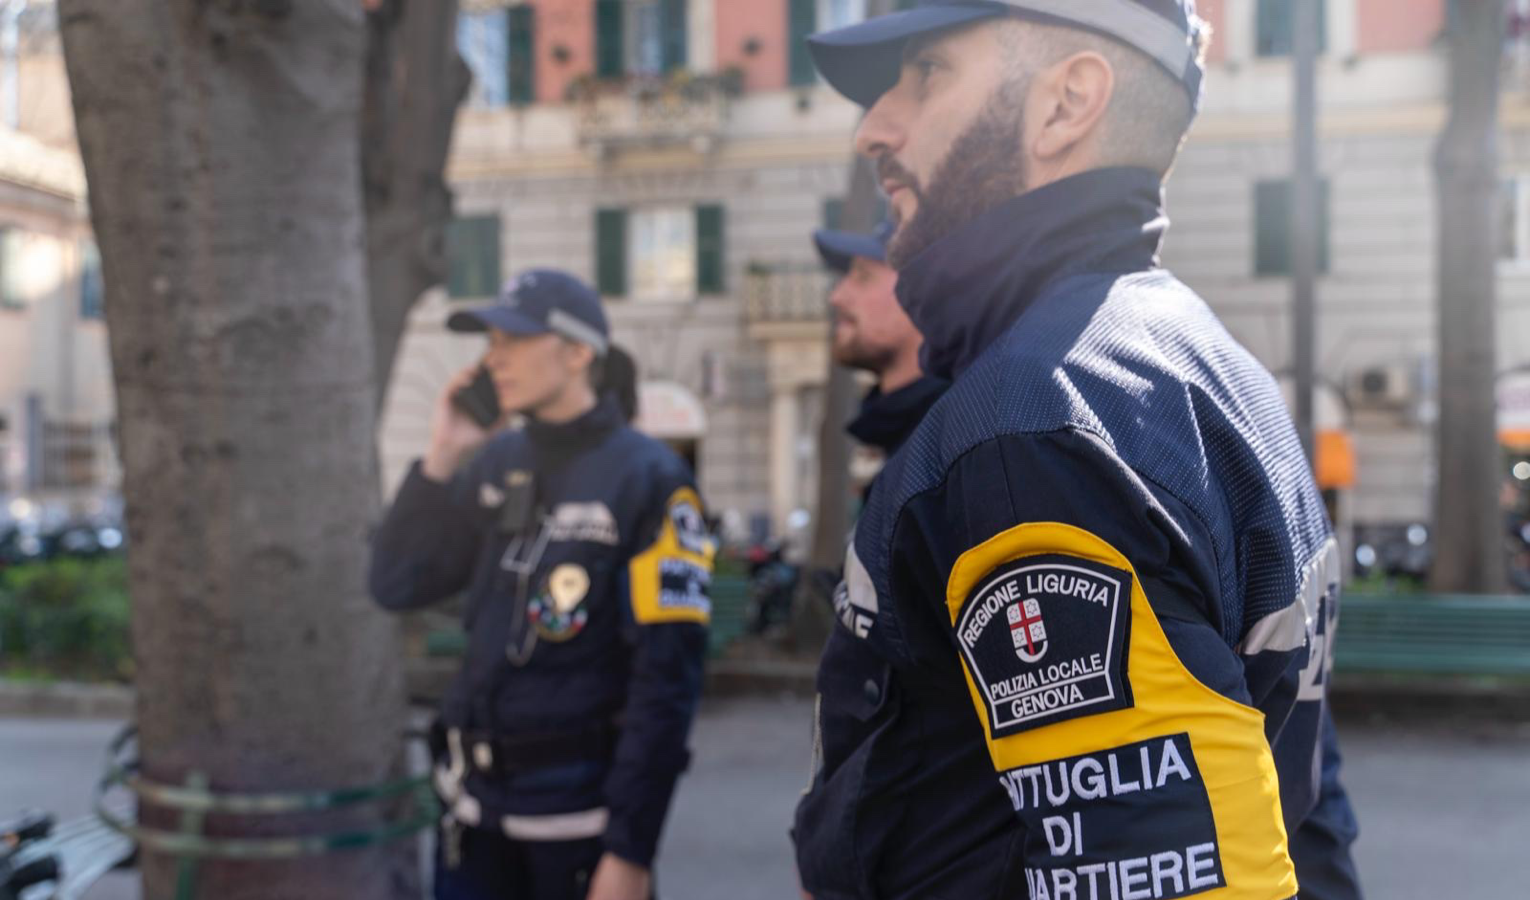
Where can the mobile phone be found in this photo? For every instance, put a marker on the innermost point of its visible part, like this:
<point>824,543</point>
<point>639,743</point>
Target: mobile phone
<point>479,401</point>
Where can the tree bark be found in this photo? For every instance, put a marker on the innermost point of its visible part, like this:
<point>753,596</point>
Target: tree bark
<point>221,139</point>
<point>1468,534</point>
<point>812,615</point>
<point>415,82</point>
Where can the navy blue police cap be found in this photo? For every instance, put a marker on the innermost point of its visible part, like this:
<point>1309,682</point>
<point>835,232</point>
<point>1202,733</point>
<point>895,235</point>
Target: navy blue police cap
<point>864,61</point>
<point>840,248</point>
<point>542,301</point>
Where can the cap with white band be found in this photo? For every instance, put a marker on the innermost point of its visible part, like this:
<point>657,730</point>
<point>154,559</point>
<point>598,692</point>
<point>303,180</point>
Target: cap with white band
<point>863,61</point>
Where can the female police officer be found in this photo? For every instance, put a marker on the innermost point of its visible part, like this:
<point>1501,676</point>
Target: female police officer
<point>581,547</point>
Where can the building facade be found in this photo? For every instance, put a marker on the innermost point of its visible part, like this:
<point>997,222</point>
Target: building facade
<point>678,153</point>
<point>56,403</point>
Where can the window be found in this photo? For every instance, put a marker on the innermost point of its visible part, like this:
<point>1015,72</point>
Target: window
<point>662,247</point>
<point>1514,220</point>
<point>499,47</point>
<point>1274,29</point>
<point>483,39</point>
<point>660,253</point>
<point>645,37</point>
<point>12,254</point>
<point>71,454</point>
<point>1272,228</point>
<point>642,37</point>
<point>807,17</point>
<point>840,13</point>
<point>472,253</point>
<point>92,300</point>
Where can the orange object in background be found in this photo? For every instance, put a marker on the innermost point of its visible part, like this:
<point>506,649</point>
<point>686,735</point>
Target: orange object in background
<point>1335,453</point>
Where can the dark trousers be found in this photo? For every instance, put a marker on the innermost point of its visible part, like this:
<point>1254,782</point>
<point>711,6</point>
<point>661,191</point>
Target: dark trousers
<point>494,867</point>
<point>1321,846</point>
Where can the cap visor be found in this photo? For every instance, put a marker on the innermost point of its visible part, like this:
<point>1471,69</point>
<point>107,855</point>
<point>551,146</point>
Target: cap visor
<point>863,61</point>
<point>471,321</point>
<point>839,248</point>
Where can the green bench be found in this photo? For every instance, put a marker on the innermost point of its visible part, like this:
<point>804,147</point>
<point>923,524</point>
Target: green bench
<point>1433,635</point>
<point>730,609</point>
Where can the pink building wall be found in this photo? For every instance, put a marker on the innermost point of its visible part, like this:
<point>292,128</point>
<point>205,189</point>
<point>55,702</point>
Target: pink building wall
<point>1394,26</point>
<point>763,23</point>
<point>566,24</point>
<point>1215,14</point>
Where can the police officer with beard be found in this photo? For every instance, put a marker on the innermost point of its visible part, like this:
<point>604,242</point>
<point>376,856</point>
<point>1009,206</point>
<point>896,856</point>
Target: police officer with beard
<point>873,333</point>
<point>1092,599</point>
<point>582,549</point>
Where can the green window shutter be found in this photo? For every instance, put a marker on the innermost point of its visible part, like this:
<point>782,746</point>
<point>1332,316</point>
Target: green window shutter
<point>833,213</point>
<point>1276,20</point>
<point>672,14</point>
<point>609,61</point>
<point>1272,228</point>
<point>608,39</point>
<point>611,252</point>
<point>523,58</point>
<point>472,251</point>
<point>803,22</point>
<point>710,276</point>
<point>92,291</point>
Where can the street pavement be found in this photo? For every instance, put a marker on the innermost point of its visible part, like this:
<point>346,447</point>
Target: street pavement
<point>1444,805</point>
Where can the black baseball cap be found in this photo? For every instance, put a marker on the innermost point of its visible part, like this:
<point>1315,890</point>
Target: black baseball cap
<point>542,301</point>
<point>864,61</point>
<point>840,248</point>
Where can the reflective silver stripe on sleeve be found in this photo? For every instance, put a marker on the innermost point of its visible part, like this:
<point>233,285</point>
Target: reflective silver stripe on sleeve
<point>1291,628</point>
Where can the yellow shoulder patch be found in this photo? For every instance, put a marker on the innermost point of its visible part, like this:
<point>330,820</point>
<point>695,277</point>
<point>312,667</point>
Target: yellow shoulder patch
<point>1131,777</point>
<point>669,580</point>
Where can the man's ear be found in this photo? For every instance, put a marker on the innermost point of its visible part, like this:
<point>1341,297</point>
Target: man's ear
<point>1070,100</point>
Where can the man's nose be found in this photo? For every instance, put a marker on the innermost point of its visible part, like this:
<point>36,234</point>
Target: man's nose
<point>881,132</point>
<point>837,297</point>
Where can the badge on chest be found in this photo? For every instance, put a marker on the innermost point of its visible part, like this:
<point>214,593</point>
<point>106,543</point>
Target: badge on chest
<point>559,611</point>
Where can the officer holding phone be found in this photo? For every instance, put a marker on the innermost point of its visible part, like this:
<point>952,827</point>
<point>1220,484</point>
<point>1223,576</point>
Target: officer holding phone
<point>582,550</point>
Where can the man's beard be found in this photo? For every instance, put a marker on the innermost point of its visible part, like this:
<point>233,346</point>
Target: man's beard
<point>985,167</point>
<point>857,354</point>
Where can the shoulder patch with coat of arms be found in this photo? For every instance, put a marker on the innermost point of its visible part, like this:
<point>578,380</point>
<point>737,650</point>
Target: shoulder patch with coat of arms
<point>670,579</point>
<point>1045,640</point>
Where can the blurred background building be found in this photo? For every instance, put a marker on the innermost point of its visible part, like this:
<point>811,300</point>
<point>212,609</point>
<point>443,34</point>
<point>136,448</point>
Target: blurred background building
<point>679,152</point>
<point>56,405</point>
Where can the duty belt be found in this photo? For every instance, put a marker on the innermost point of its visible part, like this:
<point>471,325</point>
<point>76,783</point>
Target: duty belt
<point>499,755</point>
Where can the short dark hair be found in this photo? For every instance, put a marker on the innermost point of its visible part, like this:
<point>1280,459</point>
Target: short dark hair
<point>1149,113</point>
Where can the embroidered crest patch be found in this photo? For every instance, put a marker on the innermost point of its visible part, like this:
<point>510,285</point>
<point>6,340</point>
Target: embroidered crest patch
<point>1045,641</point>
<point>558,611</point>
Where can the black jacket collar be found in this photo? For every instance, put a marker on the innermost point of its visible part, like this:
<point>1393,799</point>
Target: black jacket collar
<point>967,288</point>
<point>577,434</point>
<point>886,420</point>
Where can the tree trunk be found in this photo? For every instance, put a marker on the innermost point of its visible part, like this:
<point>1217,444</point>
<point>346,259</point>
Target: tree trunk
<point>812,615</point>
<point>1468,534</point>
<point>415,82</point>
<point>221,139</point>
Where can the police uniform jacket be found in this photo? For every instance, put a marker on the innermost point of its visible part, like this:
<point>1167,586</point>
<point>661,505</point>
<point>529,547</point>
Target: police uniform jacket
<point>584,560</point>
<point>1090,597</point>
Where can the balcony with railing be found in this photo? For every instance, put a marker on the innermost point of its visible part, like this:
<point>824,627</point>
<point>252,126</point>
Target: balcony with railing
<point>654,111</point>
<point>780,296</point>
